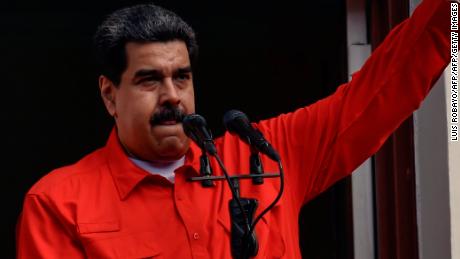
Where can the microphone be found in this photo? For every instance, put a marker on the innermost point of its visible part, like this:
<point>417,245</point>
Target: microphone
<point>195,127</point>
<point>237,122</point>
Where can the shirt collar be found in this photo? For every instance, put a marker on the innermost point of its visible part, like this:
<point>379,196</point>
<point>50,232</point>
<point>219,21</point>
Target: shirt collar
<point>128,175</point>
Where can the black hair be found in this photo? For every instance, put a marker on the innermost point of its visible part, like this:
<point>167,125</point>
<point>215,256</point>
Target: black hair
<point>139,23</point>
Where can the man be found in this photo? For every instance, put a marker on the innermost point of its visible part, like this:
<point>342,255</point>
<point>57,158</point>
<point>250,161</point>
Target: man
<point>132,198</point>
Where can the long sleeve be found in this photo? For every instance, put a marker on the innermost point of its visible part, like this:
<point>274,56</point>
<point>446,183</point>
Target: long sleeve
<point>40,233</point>
<point>326,141</point>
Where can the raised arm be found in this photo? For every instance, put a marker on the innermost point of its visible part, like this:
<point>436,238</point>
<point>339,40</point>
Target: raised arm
<point>326,141</point>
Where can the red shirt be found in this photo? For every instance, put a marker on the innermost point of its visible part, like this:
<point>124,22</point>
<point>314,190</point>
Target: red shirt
<point>104,206</point>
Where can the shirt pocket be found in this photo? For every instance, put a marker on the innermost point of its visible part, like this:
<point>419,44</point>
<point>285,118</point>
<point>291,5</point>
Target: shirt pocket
<point>104,241</point>
<point>269,237</point>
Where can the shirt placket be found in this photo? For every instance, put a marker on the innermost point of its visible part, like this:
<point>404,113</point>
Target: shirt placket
<point>191,217</point>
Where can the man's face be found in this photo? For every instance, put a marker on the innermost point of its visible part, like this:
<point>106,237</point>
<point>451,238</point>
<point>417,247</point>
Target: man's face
<point>155,90</point>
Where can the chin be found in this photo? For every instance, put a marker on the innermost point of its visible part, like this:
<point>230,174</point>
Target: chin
<point>173,148</point>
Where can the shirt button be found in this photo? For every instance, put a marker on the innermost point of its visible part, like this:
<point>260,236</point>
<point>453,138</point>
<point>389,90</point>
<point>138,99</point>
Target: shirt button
<point>196,236</point>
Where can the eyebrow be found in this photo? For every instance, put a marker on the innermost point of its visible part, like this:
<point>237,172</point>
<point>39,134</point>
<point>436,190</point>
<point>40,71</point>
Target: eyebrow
<point>155,72</point>
<point>184,70</point>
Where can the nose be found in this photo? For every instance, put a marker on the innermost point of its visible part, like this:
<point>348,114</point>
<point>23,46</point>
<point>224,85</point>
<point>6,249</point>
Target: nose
<point>169,93</point>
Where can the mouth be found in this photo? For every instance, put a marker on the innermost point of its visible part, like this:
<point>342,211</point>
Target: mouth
<point>168,123</point>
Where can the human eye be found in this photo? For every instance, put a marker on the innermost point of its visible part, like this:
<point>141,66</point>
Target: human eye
<point>149,81</point>
<point>183,77</point>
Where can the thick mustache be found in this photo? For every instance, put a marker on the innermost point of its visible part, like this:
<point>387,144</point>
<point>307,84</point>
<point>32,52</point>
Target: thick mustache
<point>167,114</point>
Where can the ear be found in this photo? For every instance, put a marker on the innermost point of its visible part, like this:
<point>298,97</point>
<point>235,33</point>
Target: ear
<point>108,93</point>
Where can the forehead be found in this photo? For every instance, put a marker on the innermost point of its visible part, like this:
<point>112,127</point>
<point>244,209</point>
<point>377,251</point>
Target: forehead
<point>157,55</point>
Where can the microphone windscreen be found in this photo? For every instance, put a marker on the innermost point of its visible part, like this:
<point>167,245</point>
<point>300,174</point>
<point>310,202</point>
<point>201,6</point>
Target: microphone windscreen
<point>230,117</point>
<point>191,122</point>
<point>195,127</point>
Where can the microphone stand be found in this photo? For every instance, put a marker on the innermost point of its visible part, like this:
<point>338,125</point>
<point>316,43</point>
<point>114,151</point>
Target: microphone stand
<point>205,169</point>
<point>255,166</point>
<point>243,240</point>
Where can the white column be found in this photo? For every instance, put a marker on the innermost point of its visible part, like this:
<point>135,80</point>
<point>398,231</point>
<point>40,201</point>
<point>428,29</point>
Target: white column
<point>362,190</point>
